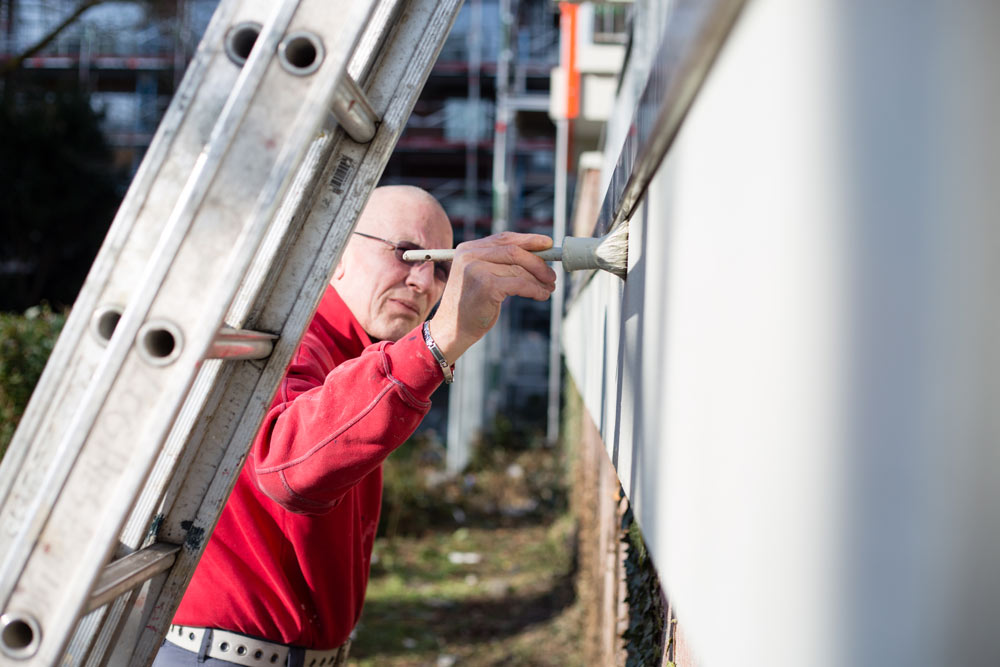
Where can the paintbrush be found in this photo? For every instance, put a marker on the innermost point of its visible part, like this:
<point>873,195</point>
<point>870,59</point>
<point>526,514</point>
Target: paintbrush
<point>606,253</point>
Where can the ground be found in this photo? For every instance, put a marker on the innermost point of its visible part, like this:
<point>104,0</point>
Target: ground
<point>489,581</point>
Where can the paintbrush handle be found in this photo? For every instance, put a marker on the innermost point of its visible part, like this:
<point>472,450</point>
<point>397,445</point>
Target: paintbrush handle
<point>445,255</point>
<point>607,253</point>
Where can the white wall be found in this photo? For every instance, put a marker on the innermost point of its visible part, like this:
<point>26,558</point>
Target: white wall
<point>797,382</point>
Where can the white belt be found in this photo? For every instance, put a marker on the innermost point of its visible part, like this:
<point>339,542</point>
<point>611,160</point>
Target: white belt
<point>242,650</point>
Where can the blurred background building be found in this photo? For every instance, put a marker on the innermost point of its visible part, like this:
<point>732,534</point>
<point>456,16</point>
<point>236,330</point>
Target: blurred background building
<point>481,138</point>
<point>127,56</point>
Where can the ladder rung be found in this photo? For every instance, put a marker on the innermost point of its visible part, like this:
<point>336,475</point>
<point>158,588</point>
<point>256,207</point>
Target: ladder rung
<point>353,111</point>
<point>241,344</point>
<point>20,633</point>
<point>126,573</point>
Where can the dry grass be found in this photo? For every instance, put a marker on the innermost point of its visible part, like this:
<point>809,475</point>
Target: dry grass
<point>496,588</point>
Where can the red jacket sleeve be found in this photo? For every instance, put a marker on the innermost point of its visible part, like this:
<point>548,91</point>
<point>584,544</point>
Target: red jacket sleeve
<point>324,433</point>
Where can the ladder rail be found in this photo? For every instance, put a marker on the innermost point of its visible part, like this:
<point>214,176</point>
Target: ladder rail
<point>179,139</point>
<point>428,23</point>
<point>78,351</point>
<point>102,430</point>
<point>120,345</point>
<point>99,631</point>
<point>260,248</point>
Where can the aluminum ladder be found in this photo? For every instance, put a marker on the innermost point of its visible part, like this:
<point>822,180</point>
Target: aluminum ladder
<point>199,296</point>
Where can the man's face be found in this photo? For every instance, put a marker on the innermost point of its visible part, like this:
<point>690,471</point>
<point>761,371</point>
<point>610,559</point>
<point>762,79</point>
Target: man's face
<point>390,298</point>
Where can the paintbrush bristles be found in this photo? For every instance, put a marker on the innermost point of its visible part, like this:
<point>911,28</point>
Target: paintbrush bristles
<point>612,253</point>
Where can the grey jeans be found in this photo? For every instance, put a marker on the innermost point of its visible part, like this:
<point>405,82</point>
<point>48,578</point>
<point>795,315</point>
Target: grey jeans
<point>175,656</point>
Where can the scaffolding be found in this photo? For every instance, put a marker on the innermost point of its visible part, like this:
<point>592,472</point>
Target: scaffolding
<point>481,141</point>
<point>127,57</point>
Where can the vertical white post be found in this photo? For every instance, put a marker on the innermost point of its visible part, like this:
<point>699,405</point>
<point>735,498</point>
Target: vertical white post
<point>555,326</point>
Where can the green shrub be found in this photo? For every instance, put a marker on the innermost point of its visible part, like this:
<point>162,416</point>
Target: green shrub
<point>59,187</point>
<point>502,438</point>
<point>25,344</point>
<point>504,487</point>
<point>410,504</point>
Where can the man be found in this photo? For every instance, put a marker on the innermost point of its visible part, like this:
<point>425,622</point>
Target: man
<point>289,560</point>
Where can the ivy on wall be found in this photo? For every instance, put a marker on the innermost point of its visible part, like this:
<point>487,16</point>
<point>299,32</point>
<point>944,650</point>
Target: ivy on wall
<point>646,618</point>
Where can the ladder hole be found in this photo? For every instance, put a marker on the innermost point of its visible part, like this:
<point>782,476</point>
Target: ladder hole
<point>105,321</point>
<point>20,636</point>
<point>301,53</point>
<point>159,342</point>
<point>240,41</point>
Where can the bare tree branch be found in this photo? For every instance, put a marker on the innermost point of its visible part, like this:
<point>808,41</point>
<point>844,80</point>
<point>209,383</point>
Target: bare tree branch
<point>15,62</point>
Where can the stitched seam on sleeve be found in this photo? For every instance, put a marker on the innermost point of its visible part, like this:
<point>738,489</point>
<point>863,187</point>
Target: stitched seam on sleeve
<point>302,499</point>
<point>315,448</point>
<point>404,391</point>
<point>283,502</point>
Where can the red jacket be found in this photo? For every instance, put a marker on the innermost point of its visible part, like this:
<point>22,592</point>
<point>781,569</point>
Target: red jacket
<point>289,558</point>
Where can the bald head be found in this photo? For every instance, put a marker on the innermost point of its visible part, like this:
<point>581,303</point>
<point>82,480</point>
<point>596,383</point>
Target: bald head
<point>387,297</point>
<point>410,206</point>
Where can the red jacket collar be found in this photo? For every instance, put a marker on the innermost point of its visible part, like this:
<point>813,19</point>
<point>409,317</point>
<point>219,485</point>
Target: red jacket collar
<point>341,324</point>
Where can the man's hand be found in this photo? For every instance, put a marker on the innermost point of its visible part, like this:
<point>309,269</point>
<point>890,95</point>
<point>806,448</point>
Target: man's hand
<point>484,272</point>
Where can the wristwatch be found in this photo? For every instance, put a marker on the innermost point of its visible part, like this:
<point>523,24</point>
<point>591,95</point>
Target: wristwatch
<point>446,370</point>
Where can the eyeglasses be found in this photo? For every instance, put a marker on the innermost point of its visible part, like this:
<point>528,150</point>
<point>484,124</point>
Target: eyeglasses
<point>441,269</point>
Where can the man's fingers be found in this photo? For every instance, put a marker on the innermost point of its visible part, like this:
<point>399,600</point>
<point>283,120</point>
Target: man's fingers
<point>494,271</point>
<point>526,241</point>
<point>514,255</point>
<point>484,273</point>
<point>522,286</point>
<point>504,280</point>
